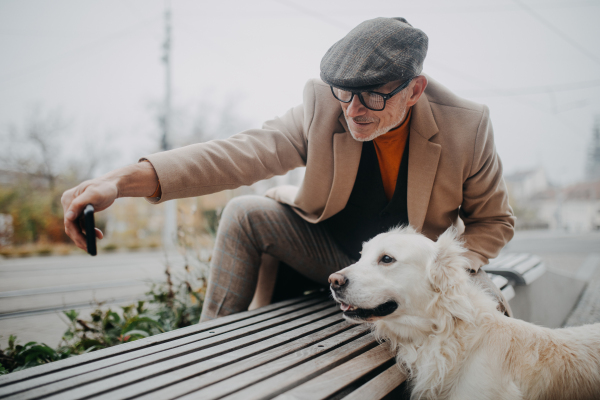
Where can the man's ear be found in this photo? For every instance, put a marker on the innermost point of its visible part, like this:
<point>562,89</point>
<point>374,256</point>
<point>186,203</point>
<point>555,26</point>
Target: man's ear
<point>448,270</point>
<point>418,87</point>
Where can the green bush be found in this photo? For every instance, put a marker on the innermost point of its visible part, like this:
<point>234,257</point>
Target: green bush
<point>172,305</point>
<point>16,357</point>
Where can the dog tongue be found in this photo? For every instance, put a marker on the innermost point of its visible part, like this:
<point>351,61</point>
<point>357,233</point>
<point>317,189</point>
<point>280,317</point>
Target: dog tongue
<point>344,306</point>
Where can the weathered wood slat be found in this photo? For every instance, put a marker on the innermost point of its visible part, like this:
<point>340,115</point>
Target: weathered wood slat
<point>149,342</point>
<point>380,386</point>
<point>263,371</point>
<point>499,281</point>
<point>332,381</point>
<point>213,345</point>
<point>299,349</point>
<point>526,265</point>
<point>502,259</point>
<point>197,376</point>
<point>516,259</point>
<point>283,374</point>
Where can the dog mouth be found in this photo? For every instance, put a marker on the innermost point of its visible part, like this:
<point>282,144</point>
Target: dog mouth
<point>365,313</point>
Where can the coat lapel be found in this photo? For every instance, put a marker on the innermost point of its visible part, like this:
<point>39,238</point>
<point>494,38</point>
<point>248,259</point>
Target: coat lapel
<point>422,162</point>
<point>346,158</point>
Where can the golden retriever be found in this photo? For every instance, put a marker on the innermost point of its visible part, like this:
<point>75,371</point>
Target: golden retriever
<point>449,337</point>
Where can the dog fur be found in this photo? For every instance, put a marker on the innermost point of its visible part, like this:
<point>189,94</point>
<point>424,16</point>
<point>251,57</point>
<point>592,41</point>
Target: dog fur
<point>449,337</point>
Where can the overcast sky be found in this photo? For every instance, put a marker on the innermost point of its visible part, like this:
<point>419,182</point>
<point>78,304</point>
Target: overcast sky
<point>535,63</point>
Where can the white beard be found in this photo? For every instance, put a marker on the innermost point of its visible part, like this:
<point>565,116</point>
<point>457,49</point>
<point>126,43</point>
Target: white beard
<point>383,130</point>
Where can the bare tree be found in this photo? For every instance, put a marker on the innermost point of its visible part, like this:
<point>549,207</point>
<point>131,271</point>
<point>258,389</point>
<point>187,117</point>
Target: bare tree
<point>35,148</point>
<point>45,149</point>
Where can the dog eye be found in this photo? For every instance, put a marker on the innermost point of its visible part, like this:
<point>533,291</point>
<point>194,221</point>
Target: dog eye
<point>386,259</point>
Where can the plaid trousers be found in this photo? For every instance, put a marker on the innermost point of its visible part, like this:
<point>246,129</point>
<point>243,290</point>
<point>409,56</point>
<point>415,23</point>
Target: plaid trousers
<point>251,226</point>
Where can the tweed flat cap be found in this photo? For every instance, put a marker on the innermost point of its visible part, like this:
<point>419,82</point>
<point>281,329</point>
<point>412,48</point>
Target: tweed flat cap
<point>376,52</point>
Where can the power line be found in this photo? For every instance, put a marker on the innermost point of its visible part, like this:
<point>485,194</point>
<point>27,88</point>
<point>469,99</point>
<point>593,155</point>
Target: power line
<point>314,14</point>
<point>557,31</point>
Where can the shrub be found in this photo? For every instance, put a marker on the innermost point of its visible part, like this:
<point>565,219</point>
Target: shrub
<point>16,357</point>
<point>177,303</point>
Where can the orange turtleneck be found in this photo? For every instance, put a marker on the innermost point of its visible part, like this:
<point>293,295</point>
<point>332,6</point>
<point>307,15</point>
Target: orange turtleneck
<point>390,148</point>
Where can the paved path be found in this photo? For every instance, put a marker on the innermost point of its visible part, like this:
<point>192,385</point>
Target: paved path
<point>576,255</point>
<point>34,291</point>
<point>588,309</point>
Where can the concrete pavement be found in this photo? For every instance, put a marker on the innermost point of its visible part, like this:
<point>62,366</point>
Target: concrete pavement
<point>34,291</point>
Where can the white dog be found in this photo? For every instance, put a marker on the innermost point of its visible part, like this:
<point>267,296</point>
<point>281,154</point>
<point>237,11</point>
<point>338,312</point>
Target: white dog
<point>450,339</point>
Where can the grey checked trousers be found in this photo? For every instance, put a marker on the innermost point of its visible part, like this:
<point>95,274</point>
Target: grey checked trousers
<point>251,226</point>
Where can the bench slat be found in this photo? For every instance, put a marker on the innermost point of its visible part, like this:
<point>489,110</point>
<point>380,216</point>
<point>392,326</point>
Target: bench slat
<point>192,378</point>
<point>525,266</point>
<point>211,345</point>
<point>334,380</point>
<point>281,374</point>
<point>516,259</point>
<point>150,341</point>
<point>380,386</point>
<point>145,377</point>
<point>502,259</point>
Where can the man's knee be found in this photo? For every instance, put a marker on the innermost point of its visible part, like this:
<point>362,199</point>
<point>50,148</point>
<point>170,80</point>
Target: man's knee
<point>249,208</point>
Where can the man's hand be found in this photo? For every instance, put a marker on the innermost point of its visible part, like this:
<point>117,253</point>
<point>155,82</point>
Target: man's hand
<point>137,180</point>
<point>97,192</point>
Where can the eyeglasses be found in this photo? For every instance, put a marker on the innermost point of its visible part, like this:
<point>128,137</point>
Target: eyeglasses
<point>372,100</point>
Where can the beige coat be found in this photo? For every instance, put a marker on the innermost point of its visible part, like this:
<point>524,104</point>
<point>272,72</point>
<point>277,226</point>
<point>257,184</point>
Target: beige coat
<point>454,170</point>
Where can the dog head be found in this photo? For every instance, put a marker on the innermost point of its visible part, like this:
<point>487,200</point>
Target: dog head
<point>401,277</point>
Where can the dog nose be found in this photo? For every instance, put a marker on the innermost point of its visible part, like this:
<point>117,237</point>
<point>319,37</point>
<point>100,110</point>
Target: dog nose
<point>337,281</point>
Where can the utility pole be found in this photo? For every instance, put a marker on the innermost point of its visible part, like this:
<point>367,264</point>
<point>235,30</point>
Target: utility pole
<point>593,161</point>
<point>166,59</point>
<point>170,223</point>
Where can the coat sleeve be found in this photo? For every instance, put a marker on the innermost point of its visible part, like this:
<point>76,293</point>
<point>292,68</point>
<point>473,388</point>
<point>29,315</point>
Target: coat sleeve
<point>488,218</point>
<point>247,157</point>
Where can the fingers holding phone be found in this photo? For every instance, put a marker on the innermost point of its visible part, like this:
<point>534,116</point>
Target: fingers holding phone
<point>89,229</point>
<point>99,194</point>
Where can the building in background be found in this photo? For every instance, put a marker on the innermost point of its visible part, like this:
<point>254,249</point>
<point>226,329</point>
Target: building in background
<point>575,208</point>
<point>522,185</point>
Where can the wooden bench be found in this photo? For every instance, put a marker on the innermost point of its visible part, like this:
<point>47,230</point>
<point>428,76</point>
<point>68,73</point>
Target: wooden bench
<point>295,349</point>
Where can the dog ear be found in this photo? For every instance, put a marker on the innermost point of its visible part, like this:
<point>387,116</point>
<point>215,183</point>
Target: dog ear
<point>448,270</point>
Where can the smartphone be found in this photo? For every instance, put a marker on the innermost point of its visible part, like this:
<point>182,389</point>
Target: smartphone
<point>90,229</point>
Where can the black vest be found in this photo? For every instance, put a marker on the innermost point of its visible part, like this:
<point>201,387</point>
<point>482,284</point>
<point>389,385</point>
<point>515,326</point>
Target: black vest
<point>368,211</point>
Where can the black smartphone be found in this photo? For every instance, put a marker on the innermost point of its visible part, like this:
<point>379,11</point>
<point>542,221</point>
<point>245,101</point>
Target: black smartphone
<point>90,229</point>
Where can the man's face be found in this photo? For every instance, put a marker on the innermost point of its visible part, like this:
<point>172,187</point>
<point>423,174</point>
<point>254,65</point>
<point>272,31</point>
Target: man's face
<point>365,124</point>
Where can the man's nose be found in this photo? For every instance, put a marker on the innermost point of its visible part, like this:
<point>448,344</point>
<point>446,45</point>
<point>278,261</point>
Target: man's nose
<point>355,107</point>
<point>337,281</point>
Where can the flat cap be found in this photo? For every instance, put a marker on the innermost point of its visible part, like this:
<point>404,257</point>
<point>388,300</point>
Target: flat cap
<point>376,52</point>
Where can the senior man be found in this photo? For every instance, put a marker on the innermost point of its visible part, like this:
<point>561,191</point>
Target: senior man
<point>383,146</point>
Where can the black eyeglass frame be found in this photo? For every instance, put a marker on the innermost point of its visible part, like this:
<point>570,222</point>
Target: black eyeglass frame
<point>385,96</point>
